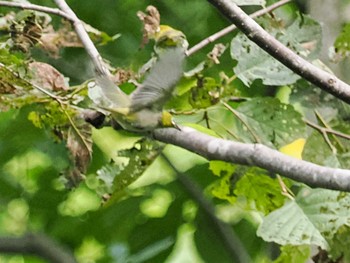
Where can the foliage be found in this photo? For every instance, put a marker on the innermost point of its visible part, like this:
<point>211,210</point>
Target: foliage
<point>108,195</point>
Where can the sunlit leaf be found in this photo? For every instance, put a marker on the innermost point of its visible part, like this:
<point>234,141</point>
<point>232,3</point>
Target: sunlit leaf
<point>293,254</point>
<point>294,149</point>
<point>310,219</point>
<point>261,192</point>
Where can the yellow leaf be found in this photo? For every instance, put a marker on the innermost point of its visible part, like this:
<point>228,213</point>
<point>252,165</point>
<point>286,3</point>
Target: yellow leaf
<point>294,149</point>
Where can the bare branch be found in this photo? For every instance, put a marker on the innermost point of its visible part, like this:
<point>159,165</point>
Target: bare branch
<point>249,154</point>
<point>327,130</point>
<point>39,8</point>
<point>302,67</point>
<point>39,245</point>
<point>85,39</point>
<point>256,155</point>
<point>231,28</point>
<point>229,238</point>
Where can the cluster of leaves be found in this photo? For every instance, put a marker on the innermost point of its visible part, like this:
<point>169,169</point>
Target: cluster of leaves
<point>116,215</point>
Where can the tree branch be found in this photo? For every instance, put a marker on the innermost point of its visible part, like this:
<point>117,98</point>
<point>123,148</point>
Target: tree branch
<point>39,8</point>
<point>230,240</point>
<point>305,69</point>
<point>36,244</point>
<point>249,154</point>
<point>327,130</point>
<point>256,155</point>
<point>85,39</point>
<point>231,28</point>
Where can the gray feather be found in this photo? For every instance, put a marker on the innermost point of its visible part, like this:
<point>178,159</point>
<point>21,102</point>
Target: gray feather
<point>112,94</point>
<point>160,83</point>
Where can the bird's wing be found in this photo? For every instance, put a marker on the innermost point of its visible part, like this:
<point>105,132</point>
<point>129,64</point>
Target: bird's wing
<point>160,83</point>
<point>113,96</point>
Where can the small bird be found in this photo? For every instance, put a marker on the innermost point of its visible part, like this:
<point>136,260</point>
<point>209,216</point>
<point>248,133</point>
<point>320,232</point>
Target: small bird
<point>142,110</point>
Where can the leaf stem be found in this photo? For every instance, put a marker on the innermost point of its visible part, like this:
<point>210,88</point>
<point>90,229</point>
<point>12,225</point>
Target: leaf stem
<point>237,114</point>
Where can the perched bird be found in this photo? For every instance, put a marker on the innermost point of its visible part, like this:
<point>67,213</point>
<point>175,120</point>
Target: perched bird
<point>142,110</point>
<point>167,37</point>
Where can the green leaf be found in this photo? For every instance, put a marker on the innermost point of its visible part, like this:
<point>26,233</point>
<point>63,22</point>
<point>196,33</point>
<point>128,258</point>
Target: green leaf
<point>252,185</point>
<point>114,178</point>
<point>260,190</point>
<point>293,254</point>
<point>340,244</point>
<point>205,93</point>
<point>342,43</point>
<point>254,63</point>
<point>272,122</point>
<point>314,216</point>
<point>221,168</point>
<point>317,150</point>
<point>201,129</point>
<point>304,36</point>
<point>289,225</point>
<point>222,121</point>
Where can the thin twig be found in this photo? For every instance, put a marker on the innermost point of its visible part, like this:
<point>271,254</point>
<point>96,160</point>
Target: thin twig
<point>48,93</point>
<point>219,124</point>
<point>256,137</point>
<point>39,245</point>
<point>232,27</point>
<point>327,130</point>
<point>231,242</point>
<point>325,124</point>
<point>39,8</point>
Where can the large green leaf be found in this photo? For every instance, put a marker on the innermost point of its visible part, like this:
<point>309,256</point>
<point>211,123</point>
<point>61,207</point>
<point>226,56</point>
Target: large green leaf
<point>270,121</point>
<point>254,63</point>
<point>260,190</point>
<point>314,216</point>
<point>293,254</point>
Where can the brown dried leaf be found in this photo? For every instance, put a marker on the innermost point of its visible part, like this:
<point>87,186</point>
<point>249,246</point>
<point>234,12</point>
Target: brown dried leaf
<point>79,144</point>
<point>121,76</point>
<point>216,53</point>
<point>151,22</point>
<point>47,77</point>
<point>25,33</point>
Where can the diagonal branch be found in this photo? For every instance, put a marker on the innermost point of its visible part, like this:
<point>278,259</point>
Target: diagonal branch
<point>39,8</point>
<point>85,39</point>
<point>36,244</point>
<point>241,153</point>
<point>276,49</point>
<point>256,155</point>
<point>231,28</point>
<point>229,238</point>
